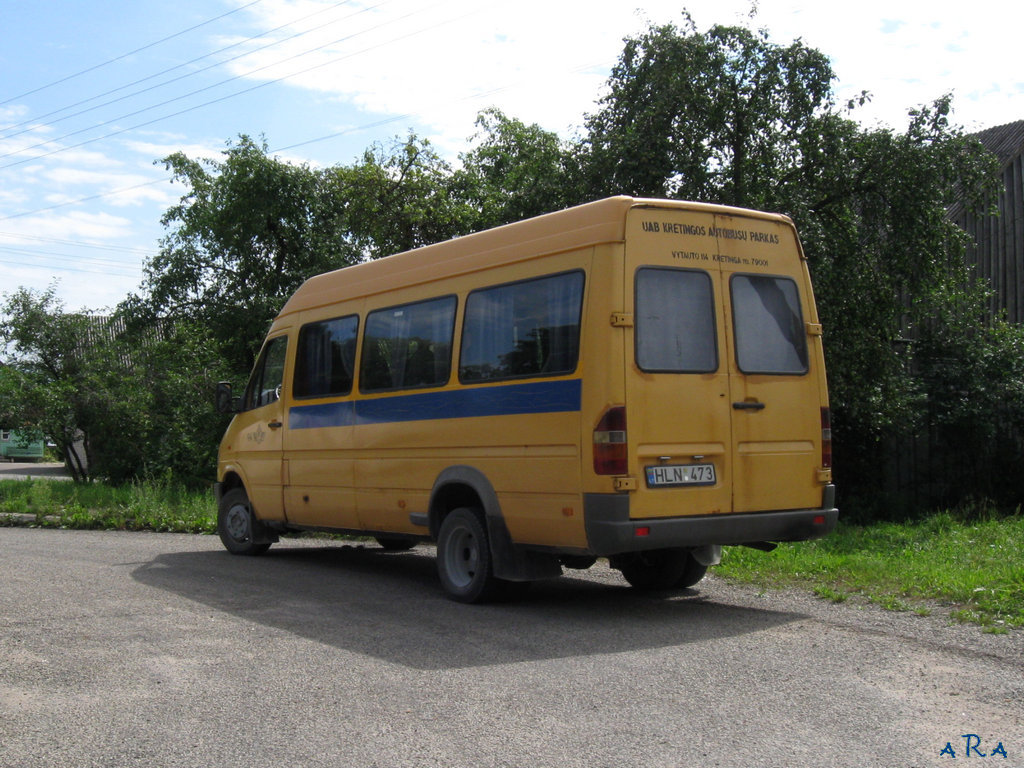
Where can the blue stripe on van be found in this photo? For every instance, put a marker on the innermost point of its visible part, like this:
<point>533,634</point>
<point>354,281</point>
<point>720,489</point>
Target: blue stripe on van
<point>506,400</point>
<point>325,415</point>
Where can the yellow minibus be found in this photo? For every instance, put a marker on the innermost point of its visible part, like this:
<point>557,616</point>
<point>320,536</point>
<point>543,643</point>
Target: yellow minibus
<point>640,380</point>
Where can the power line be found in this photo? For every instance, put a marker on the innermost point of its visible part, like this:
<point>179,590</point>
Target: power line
<point>386,121</point>
<point>111,263</point>
<point>228,96</point>
<point>33,251</point>
<point>348,131</point>
<point>126,55</point>
<point>80,200</point>
<point>103,270</point>
<point>35,122</point>
<point>76,243</point>
<point>217,85</point>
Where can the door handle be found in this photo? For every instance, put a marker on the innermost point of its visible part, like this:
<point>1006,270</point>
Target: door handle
<point>747,405</point>
<point>275,424</point>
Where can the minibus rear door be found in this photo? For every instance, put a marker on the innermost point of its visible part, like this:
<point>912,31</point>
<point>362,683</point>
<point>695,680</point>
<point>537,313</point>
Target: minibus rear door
<point>678,411</point>
<point>774,390</point>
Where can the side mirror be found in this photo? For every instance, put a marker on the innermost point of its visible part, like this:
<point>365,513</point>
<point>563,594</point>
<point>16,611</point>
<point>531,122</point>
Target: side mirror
<point>226,402</point>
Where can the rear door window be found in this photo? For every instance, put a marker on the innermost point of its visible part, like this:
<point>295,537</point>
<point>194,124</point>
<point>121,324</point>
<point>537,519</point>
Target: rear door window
<point>675,321</point>
<point>770,336</point>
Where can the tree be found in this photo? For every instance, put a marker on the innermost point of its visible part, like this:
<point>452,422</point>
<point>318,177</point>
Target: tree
<point>972,377</point>
<point>727,116</point>
<point>46,383</point>
<point>164,420</point>
<point>252,228</point>
<point>724,116</point>
<point>514,171</point>
<point>889,270</point>
<point>118,406</point>
<point>398,198</point>
<point>248,232</point>
<point>704,116</point>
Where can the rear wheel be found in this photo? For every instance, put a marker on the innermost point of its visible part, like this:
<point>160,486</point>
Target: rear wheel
<point>692,573</point>
<point>464,557</point>
<point>660,569</point>
<point>239,530</point>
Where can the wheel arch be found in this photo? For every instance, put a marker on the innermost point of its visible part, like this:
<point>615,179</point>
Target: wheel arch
<point>230,481</point>
<point>461,486</point>
<point>466,486</point>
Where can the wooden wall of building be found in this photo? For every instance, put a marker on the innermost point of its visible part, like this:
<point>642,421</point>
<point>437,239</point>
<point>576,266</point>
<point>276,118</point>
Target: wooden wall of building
<point>997,253</point>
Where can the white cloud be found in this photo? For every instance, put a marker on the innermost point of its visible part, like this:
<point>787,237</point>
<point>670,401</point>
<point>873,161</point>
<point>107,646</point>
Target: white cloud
<point>67,175</point>
<point>12,113</point>
<point>912,52</point>
<point>154,151</point>
<point>81,225</point>
<point>441,63</point>
<point>83,289</point>
<point>11,198</point>
<point>432,65</point>
<point>444,62</point>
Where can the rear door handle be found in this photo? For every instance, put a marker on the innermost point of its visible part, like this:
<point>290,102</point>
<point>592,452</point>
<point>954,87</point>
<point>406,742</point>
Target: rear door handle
<point>275,424</point>
<point>747,405</point>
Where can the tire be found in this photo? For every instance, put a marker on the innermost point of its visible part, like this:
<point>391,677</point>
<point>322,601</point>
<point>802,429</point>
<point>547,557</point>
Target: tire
<point>464,558</point>
<point>658,569</point>
<point>692,573</point>
<point>239,530</point>
<point>395,543</point>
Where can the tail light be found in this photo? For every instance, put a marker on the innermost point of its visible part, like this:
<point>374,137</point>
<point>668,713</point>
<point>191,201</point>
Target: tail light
<point>826,438</point>
<point>610,442</point>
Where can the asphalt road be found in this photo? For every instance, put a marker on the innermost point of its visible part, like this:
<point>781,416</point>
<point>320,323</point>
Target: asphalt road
<point>21,470</point>
<point>160,650</point>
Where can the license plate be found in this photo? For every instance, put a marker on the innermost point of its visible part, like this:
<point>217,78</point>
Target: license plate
<point>667,475</point>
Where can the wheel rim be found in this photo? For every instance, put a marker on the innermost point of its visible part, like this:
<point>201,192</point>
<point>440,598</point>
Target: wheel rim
<point>237,522</point>
<point>462,556</point>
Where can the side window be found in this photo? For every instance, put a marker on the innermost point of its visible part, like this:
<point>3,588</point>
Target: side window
<point>770,336</point>
<point>522,329</point>
<point>408,346</point>
<point>326,357</point>
<point>265,383</point>
<point>675,321</point>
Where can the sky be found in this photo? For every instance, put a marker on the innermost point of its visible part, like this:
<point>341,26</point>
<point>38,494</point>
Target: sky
<point>94,95</point>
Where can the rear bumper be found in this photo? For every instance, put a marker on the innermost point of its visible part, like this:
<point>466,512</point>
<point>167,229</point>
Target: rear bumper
<point>611,531</point>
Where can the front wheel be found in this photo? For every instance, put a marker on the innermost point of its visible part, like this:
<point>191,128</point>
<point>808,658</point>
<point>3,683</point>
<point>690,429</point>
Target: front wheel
<point>464,557</point>
<point>239,530</point>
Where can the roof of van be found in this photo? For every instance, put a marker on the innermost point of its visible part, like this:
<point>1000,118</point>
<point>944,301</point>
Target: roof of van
<point>602,221</point>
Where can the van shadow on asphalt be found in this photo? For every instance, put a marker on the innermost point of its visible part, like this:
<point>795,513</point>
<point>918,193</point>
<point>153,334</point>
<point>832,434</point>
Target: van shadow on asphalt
<point>391,606</point>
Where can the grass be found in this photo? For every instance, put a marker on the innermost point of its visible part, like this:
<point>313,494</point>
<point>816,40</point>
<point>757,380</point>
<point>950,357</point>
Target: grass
<point>975,569</point>
<point>150,506</point>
